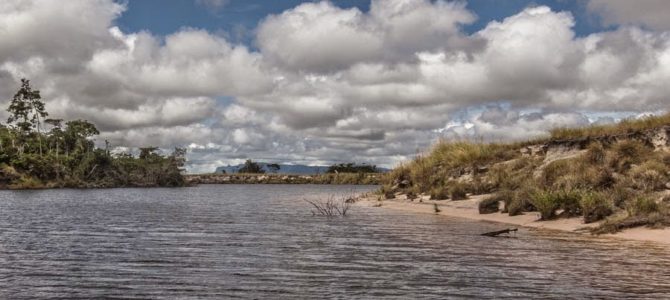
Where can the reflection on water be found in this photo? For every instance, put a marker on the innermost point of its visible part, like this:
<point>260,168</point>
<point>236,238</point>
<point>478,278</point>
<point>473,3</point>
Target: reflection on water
<point>261,241</point>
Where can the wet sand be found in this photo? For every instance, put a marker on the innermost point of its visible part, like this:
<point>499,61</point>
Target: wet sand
<point>469,209</point>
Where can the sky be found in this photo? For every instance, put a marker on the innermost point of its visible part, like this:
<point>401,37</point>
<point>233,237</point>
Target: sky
<point>323,82</point>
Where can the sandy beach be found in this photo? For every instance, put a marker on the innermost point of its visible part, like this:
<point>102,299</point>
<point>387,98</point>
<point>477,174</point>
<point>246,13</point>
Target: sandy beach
<point>469,209</point>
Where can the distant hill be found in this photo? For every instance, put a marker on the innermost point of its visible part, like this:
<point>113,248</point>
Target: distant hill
<point>284,169</point>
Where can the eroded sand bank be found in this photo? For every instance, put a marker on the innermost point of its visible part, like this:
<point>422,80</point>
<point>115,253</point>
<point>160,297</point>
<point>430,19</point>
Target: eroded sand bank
<point>469,209</point>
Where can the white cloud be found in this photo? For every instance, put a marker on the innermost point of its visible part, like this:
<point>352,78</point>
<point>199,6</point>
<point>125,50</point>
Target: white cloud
<point>320,37</point>
<point>329,84</point>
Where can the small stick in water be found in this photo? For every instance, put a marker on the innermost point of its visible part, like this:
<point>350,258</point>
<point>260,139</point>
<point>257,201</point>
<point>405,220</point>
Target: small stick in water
<point>499,232</point>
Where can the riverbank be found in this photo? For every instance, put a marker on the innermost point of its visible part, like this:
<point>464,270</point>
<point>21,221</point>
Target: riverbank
<point>469,209</point>
<point>328,178</point>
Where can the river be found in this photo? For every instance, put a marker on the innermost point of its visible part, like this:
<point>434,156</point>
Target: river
<point>262,242</point>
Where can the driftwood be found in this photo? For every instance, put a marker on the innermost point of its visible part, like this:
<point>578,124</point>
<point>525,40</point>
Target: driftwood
<point>499,232</point>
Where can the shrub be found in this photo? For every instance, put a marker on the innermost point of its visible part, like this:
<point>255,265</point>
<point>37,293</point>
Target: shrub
<point>621,194</point>
<point>595,154</point>
<point>480,186</point>
<point>411,196</point>
<point>517,206</point>
<point>568,201</point>
<point>626,153</point>
<point>520,200</point>
<point>458,191</point>
<point>546,203</point>
<point>595,207</point>
<point>489,205</point>
<point>555,170</point>
<point>439,193</point>
<point>506,196</point>
<point>643,206</point>
<point>649,176</point>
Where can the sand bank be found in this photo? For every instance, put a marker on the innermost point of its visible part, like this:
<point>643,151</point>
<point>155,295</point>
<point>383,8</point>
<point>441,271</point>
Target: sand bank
<point>469,209</point>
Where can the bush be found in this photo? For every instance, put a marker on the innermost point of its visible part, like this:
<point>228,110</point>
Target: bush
<point>458,191</point>
<point>626,153</point>
<point>555,170</point>
<point>439,193</point>
<point>489,205</point>
<point>480,186</point>
<point>506,196</point>
<point>595,154</point>
<point>595,207</point>
<point>517,206</point>
<point>569,202</point>
<point>546,203</point>
<point>643,206</point>
<point>621,194</point>
<point>517,201</point>
<point>649,176</point>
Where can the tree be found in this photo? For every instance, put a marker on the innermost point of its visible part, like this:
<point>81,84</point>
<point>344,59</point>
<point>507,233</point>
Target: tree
<point>77,134</point>
<point>148,152</point>
<point>26,109</point>
<point>56,133</point>
<point>251,168</point>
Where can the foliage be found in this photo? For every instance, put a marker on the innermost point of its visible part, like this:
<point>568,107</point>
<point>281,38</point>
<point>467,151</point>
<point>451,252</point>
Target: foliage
<point>546,203</point>
<point>66,156</point>
<point>439,193</point>
<point>595,206</point>
<point>643,205</point>
<point>352,168</point>
<point>458,191</point>
<point>489,205</point>
<point>250,167</point>
<point>26,108</point>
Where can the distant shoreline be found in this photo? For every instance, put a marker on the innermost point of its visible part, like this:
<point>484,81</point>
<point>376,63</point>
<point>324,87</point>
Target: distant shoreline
<point>327,178</point>
<point>468,209</point>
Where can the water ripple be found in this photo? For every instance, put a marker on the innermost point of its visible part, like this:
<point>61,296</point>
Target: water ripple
<point>260,242</point>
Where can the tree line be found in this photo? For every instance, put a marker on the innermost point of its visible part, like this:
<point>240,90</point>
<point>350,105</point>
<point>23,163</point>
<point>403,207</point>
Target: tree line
<point>37,151</point>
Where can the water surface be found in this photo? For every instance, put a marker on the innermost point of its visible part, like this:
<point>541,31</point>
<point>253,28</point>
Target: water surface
<point>262,242</point>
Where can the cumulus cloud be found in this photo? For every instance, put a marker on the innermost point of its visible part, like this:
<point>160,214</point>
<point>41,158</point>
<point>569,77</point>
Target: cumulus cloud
<point>330,84</point>
<point>321,37</point>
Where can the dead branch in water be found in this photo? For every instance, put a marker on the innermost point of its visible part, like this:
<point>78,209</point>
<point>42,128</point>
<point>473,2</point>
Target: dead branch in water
<point>499,232</point>
<point>331,207</point>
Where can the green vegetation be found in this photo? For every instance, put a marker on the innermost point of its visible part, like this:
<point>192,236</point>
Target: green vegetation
<point>490,205</point>
<point>251,167</point>
<point>352,168</point>
<point>237,178</point>
<point>65,155</point>
<point>617,174</point>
